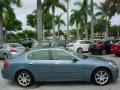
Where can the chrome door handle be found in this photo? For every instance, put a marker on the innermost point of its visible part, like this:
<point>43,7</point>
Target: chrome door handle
<point>30,63</point>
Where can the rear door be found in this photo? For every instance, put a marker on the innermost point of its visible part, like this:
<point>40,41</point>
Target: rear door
<point>40,64</point>
<point>85,45</point>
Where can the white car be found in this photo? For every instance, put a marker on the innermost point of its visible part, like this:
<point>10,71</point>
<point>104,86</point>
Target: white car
<point>11,49</point>
<point>79,45</point>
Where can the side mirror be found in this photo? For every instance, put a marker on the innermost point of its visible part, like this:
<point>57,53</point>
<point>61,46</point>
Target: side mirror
<point>75,60</point>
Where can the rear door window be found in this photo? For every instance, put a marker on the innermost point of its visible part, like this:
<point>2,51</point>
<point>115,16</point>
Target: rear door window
<point>15,45</point>
<point>38,55</point>
<point>83,42</point>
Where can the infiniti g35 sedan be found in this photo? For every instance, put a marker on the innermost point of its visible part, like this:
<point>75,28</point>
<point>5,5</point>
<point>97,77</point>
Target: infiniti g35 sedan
<point>53,64</point>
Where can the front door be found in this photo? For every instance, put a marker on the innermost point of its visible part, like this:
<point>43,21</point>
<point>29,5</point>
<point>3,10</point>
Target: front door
<point>64,67</point>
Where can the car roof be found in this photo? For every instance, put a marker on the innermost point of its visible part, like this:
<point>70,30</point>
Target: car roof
<point>35,49</point>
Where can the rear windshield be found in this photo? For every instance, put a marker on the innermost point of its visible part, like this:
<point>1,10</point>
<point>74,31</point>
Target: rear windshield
<point>100,42</point>
<point>15,45</point>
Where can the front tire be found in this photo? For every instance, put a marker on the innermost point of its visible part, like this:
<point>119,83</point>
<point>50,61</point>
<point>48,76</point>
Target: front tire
<point>101,77</point>
<point>24,79</point>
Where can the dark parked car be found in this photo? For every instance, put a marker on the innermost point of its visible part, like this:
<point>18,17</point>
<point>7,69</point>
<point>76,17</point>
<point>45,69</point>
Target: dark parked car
<point>116,49</point>
<point>27,43</point>
<point>53,64</point>
<point>102,47</point>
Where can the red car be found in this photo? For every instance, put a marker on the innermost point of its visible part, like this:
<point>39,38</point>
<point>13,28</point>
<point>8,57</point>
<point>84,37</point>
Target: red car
<point>116,49</point>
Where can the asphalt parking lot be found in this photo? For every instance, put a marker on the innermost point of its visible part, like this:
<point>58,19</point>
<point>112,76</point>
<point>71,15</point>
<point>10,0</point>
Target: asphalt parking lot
<point>10,85</point>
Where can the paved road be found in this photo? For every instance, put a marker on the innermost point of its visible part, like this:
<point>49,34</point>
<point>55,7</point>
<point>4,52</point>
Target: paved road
<point>9,85</point>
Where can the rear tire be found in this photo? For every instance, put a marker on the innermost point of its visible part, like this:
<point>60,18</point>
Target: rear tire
<point>24,79</point>
<point>117,55</point>
<point>101,77</point>
<point>5,56</point>
<point>79,50</point>
<point>103,52</point>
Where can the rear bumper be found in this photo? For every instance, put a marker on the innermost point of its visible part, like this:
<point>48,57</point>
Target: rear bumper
<point>6,74</point>
<point>114,51</point>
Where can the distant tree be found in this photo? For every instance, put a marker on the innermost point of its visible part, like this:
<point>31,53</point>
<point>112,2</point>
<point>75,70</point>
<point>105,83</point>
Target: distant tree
<point>84,11</point>
<point>47,20</point>
<point>48,4</point>
<point>76,18</point>
<point>59,22</point>
<point>106,14</point>
<point>6,5</point>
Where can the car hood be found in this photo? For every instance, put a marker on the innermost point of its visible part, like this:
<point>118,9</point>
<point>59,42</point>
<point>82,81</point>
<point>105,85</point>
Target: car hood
<point>98,60</point>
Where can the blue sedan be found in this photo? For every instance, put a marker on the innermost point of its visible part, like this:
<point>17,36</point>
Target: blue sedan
<point>53,64</point>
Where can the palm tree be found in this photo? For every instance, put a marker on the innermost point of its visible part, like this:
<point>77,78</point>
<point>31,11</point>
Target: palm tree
<point>105,14</point>
<point>114,5</point>
<point>68,1</point>
<point>39,21</point>
<point>76,19</point>
<point>52,4</point>
<point>84,12</point>
<point>59,22</point>
<point>6,5</point>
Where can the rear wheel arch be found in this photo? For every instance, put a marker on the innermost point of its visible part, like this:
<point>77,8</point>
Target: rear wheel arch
<point>23,70</point>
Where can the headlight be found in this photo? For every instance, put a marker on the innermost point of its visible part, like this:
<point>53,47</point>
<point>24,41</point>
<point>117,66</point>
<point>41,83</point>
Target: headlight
<point>112,64</point>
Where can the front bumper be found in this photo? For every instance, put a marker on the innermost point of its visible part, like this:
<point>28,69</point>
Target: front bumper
<point>115,74</point>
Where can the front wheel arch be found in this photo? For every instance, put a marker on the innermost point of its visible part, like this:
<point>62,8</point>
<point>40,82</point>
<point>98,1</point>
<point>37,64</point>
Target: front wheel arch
<point>101,68</point>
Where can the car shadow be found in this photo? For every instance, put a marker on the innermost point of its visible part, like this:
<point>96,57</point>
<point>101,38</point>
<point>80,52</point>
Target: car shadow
<point>58,84</point>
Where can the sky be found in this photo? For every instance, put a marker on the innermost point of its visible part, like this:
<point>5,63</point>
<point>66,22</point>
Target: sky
<point>28,6</point>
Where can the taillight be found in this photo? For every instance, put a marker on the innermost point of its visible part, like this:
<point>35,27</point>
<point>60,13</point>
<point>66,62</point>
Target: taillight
<point>6,63</point>
<point>98,46</point>
<point>13,50</point>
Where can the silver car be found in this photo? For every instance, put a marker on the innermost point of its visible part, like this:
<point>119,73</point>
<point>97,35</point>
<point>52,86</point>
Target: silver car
<point>11,49</point>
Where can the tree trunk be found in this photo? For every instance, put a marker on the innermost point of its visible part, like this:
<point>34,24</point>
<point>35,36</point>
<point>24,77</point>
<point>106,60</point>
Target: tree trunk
<point>106,33</point>
<point>92,21</point>
<point>1,26</point>
<point>118,32</point>
<point>67,19</point>
<point>58,32</point>
<point>39,21</point>
<point>53,21</point>
<point>78,35</point>
<point>86,32</point>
